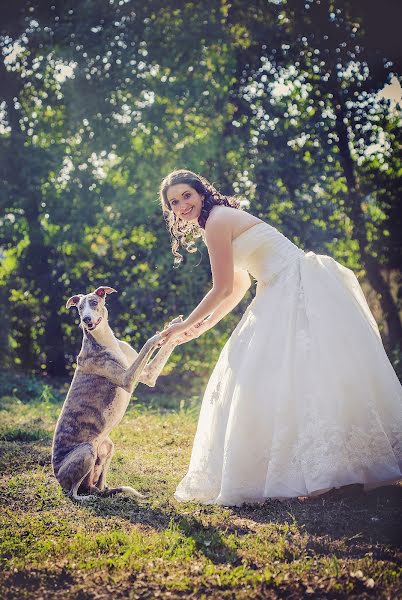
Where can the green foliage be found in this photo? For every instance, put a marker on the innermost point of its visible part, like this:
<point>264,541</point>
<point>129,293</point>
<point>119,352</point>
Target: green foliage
<point>272,100</point>
<point>28,388</point>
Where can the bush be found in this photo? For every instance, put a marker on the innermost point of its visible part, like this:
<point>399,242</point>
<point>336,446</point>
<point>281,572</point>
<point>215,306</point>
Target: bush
<point>29,388</point>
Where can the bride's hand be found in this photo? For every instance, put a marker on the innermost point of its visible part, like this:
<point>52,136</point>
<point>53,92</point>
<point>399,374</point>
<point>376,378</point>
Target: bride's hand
<point>192,333</point>
<point>173,331</point>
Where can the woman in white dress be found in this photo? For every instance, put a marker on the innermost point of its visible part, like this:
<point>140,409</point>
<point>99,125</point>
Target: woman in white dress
<point>303,397</point>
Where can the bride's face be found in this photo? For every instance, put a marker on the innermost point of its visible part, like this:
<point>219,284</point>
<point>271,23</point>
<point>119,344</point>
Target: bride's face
<point>185,201</point>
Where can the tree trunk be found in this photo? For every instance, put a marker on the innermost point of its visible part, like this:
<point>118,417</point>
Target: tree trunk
<point>23,323</point>
<point>41,271</point>
<point>372,267</point>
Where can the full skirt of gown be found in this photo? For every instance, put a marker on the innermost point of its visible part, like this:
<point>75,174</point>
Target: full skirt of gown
<point>303,397</point>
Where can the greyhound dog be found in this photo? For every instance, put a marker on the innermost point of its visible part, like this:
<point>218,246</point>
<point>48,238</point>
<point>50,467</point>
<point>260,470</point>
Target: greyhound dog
<point>107,372</point>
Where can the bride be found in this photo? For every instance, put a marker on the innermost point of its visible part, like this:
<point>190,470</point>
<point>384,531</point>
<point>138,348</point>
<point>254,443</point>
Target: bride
<point>303,397</point>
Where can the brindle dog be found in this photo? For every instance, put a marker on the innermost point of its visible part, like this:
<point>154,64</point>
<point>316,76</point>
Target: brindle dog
<point>107,372</point>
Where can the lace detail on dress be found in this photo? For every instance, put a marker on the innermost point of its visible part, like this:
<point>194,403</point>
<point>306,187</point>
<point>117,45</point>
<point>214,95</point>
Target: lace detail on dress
<point>326,454</point>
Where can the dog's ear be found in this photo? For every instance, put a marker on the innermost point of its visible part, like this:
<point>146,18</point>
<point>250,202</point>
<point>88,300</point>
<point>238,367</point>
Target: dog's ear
<point>103,290</point>
<point>73,301</point>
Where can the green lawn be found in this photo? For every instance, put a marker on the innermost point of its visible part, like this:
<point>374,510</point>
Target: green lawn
<point>337,546</point>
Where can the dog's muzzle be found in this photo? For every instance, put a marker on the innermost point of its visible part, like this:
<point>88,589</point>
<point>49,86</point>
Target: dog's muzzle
<point>89,325</point>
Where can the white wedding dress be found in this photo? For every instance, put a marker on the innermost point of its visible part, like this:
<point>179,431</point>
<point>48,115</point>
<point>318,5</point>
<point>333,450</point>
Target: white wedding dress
<point>303,397</point>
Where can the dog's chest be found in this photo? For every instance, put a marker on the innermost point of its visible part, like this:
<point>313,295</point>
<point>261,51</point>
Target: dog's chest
<point>114,412</point>
<point>119,355</point>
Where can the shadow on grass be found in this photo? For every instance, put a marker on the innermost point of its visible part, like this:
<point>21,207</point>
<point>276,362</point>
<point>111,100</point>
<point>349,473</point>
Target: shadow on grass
<point>347,522</point>
<point>207,539</point>
<point>19,457</point>
<point>21,434</point>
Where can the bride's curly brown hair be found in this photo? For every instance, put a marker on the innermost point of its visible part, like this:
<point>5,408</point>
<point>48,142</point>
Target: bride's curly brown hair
<point>183,233</point>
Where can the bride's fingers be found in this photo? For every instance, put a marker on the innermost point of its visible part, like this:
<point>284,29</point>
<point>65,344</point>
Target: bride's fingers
<point>174,321</point>
<point>178,319</point>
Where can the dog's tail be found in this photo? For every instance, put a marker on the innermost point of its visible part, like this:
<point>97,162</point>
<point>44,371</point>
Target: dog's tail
<point>121,490</point>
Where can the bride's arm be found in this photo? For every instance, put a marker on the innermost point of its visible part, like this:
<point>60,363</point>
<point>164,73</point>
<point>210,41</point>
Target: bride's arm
<point>241,284</point>
<point>218,236</point>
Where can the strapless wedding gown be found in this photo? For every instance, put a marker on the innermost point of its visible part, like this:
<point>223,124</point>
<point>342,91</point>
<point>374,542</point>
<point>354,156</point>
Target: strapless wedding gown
<point>303,397</point>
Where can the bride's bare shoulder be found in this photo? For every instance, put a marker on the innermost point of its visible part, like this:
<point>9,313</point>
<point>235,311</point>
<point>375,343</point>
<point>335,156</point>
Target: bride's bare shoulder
<point>229,218</point>
<point>219,224</point>
<point>224,214</point>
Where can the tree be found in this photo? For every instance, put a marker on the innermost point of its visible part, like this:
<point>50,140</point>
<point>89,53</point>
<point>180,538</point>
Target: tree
<point>272,100</point>
<point>305,95</point>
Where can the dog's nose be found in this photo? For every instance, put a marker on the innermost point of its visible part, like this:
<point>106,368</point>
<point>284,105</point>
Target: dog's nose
<point>87,320</point>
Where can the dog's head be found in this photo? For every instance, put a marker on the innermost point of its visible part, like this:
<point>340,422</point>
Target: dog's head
<point>91,307</point>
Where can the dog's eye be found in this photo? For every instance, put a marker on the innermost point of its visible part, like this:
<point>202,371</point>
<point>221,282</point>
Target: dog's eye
<point>94,304</point>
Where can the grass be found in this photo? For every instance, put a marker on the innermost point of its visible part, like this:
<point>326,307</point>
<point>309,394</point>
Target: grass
<point>342,545</point>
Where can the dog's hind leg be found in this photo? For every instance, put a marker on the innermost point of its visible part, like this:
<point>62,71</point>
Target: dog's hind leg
<point>76,466</point>
<point>75,488</point>
<point>105,453</point>
<point>122,489</point>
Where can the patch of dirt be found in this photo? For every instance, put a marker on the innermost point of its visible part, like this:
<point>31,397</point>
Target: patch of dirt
<point>25,584</point>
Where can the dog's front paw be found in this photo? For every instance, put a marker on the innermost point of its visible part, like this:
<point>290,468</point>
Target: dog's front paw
<point>154,340</point>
